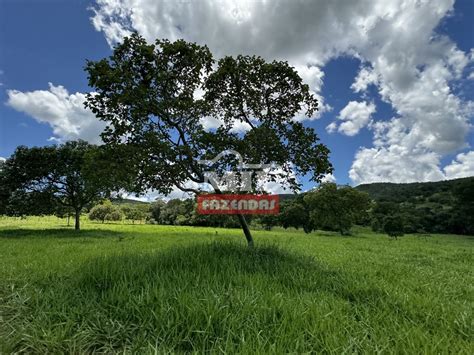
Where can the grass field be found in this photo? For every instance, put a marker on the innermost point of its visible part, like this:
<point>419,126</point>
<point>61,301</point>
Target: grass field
<point>146,288</point>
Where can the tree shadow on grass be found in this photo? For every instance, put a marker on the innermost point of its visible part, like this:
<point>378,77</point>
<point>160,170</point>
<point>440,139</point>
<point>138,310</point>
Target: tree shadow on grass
<point>183,299</point>
<point>20,233</point>
<point>221,265</point>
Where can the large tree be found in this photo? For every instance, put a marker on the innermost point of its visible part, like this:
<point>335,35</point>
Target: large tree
<point>158,100</point>
<point>337,208</point>
<point>54,173</point>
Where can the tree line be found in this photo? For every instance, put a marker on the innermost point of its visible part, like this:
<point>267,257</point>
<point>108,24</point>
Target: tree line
<point>431,207</point>
<point>68,180</point>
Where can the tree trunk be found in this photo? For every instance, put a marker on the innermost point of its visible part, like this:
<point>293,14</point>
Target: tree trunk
<point>77,225</point>
<point>243,223</point>
<point>246,230</point>
<point>68,217</point>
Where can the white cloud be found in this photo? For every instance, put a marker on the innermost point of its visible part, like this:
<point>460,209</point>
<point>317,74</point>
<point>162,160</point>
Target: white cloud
<point>332,127</point>
<point>398,165</point>
<point>328,178</point>
<point>313,76</point>
<point>2,159</point>
<point>462,166</point>
<point>394,164</point>
<point>471,76</point>
<point>411,66</point>
<point>432,122</point>
<point>64,112</point>
<point>68,117</point>
<point>355,115</point>
<point>365,77</point>
<point>211,123</point>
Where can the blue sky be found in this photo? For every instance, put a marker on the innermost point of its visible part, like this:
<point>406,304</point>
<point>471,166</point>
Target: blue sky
<point>396,81</point>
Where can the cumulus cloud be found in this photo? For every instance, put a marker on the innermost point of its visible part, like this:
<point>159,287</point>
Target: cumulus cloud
<point>365,77</point>
<point>355,115</point>
<point>409,166</point>
<point>462,166</point>
<point>411,66</point>
<point>64,112</point>
<point>395,164</point>
<point>313,76</point>
<point>211,123</point>
<point>328,178</point>
<point>2,159</point>
<point>332,127</point>
<point>431,122</point>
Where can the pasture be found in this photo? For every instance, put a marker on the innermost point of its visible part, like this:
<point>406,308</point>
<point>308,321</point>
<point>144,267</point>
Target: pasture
<point>149,288</point>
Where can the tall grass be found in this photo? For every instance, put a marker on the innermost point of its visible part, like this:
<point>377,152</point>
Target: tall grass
<point>117,288</point>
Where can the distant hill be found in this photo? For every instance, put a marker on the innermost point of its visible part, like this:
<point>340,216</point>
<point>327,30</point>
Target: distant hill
<point>121,201</point>
<point>418,192</point>
<point>438,207</point>
<point>284,197</point>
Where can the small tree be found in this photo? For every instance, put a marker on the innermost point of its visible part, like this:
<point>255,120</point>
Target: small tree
<point>100,212</point>
<point>295,214</point>
<point>56,174</point>
<point>148,95</point>
<point>380,211</point>
<point>393,226</point>
<point>336,208</point>
<point>155,210</point>
<point>134,213</point>
<point>114,215</point>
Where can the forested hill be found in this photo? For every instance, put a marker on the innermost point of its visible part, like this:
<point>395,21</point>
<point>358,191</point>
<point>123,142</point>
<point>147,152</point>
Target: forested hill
<point>418,192</point>
<point>441,207</point>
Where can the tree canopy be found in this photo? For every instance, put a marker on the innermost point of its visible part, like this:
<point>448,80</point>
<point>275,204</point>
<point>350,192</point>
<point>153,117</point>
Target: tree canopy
<point>336,208</point>
<point>159,101</point>
<point>52,176</point>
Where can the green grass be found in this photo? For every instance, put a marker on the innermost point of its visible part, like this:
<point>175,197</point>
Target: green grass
<point>143,288</point>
